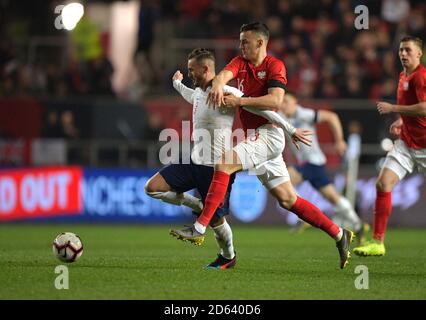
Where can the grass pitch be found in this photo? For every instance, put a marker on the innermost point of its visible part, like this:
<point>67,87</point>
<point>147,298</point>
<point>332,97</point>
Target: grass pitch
<point>144,262</point>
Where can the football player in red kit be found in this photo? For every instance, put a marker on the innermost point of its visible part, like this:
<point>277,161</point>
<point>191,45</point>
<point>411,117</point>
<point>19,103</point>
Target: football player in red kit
<point>262,79</point>
<point>409,149</point>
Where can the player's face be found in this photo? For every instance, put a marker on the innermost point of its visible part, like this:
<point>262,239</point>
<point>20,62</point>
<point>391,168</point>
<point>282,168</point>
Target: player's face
<point>195,72</point>
<point>250,44</point>
<point>409,54</point>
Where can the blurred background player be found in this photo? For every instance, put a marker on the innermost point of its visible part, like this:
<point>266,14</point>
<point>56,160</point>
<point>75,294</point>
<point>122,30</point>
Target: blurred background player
<point>409,149</point>
<point>351,160</point>
<point>311,160</point>
<point>262,78</point>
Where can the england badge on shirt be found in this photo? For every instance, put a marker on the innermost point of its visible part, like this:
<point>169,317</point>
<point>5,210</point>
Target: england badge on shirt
<point>405,85</point>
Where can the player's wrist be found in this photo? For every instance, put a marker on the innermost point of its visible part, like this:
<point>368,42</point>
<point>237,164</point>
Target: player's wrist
<point>241,101</point>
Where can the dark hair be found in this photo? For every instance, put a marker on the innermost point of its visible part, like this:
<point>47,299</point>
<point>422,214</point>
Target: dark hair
<point>257,27</point>
<point>416,40</point>
<point>201,54</point>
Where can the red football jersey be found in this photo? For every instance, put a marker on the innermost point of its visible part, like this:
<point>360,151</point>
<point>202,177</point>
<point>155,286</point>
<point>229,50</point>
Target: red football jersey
<point>255,82</point>
<point>412,90</point>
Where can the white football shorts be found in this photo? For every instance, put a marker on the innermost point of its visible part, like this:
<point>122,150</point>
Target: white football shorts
<point>261,154</point>
<point>403,160</point>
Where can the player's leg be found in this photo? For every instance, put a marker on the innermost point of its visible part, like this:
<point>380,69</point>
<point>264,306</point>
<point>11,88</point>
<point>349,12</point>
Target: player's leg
<point>227,257</point>
<point>215,195</point>
<point>296,177</point>
<point>276,180</point>
<point>218,188</point>
<point>169,185</point>
<point>345,215</point>
<point>382,210</point>
<point>289,200</point>
<point>309,213</point>
<point>397,164</point>
<point>267,142</point>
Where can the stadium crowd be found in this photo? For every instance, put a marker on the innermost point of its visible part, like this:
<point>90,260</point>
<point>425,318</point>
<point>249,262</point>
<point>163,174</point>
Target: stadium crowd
<point>325,55</point>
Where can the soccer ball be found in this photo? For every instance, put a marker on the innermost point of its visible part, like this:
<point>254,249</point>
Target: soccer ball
<point>67,247</point>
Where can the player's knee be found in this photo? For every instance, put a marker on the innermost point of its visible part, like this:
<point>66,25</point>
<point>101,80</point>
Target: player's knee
<point>149,187</point>
<point>288,201</point>
<point>385,185</point>
<point>224,168</point>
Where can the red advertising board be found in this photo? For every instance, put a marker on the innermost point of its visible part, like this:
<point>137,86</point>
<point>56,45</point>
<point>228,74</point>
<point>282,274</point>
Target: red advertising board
<point>40,192</point>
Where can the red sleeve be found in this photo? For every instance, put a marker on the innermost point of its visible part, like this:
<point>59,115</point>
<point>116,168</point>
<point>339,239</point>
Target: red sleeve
<point>420,86</point>
<point>277,74</point>
<point>233,66</point>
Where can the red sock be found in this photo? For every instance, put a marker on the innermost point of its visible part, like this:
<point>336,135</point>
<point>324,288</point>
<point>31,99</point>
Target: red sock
<point>382,211</point>
<point>312,215</point>
<point>215,196</point>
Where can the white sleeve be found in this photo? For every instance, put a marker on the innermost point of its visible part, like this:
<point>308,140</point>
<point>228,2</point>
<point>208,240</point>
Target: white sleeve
<point>306,115</point>
<point>185,92</point>
<point>234,91</point>
<point>273,117</point>
<point>270,115</point>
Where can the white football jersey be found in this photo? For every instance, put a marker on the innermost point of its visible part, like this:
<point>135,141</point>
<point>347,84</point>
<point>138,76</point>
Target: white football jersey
<point>305,118</point>
<point>212,128</point>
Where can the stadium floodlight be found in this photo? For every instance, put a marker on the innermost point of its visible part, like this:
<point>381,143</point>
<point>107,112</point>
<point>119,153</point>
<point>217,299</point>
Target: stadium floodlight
<point>71,15</point>
<point>386,144</point>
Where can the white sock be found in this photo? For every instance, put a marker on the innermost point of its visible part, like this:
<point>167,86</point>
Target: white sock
<point>178,199</point>
<point>223,235</point>
<point>199,227</point>
<point>339,235</point>
<point>346,215</point>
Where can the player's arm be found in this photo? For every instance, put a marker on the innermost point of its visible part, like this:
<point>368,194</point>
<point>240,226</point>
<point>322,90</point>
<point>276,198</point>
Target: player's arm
<point>215,96</point>
<point>414,110</point>
<point>295,134</point>
<point>395,127</point>
<point>272,100</point>
<point>185,92</point>
<point>332,119</point>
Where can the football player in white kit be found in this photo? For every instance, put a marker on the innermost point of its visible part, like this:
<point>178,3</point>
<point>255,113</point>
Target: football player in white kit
<point>212,129</point>
<point>311,161</point>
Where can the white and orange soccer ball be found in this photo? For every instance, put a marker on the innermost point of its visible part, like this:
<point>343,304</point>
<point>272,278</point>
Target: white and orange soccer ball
<point>67,247</point>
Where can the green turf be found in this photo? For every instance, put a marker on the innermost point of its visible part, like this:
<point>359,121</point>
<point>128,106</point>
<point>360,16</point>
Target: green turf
<point>144,262</point>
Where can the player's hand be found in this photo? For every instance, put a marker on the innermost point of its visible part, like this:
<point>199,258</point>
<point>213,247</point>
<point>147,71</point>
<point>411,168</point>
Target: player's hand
<point>215,97</point>
<point>178,76</point>
<point>384,107</point>
<point>395,128</point>
<point>340,147</point>
<point>301,135</point>
<point>231,101</point>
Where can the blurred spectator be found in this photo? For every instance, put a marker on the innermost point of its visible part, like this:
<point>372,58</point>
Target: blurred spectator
<point>69,129</point>
<point>394,11</point>
<point>52,127</point>
<point>324,53</point>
